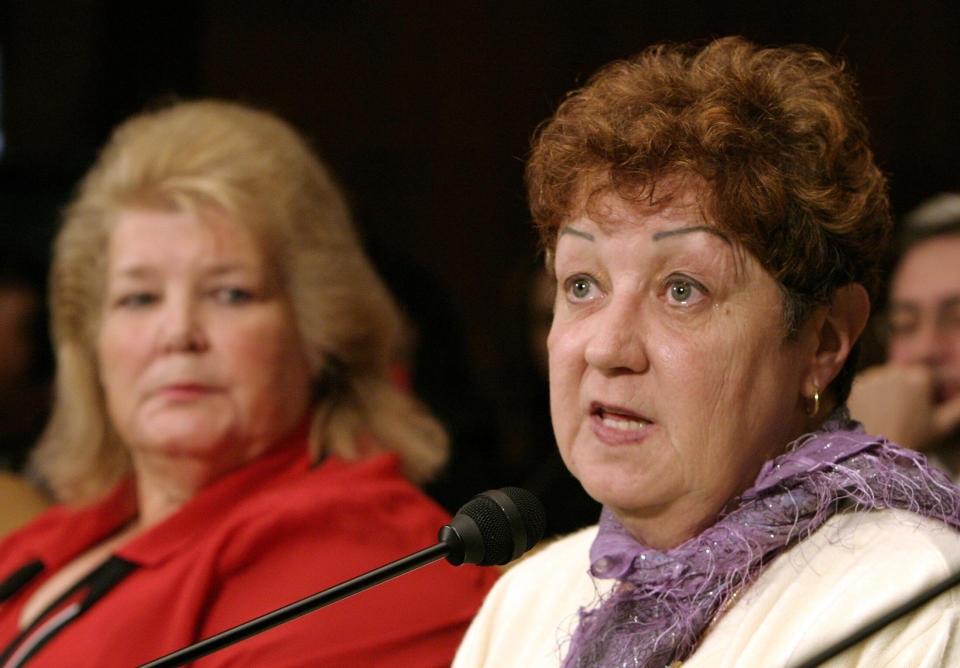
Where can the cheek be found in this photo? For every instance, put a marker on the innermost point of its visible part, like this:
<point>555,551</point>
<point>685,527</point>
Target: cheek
<point>119,362</point>
<point>565,362</point>
<point>565,370</point>
<point>118,351</point>
<point>266,361</point>
<point>689,368</point>
<point>709,380</point>
<point>953,347</point>
<point>899,351</point>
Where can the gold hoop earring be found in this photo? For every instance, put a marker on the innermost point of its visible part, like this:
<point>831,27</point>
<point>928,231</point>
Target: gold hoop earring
<point>816,403</point>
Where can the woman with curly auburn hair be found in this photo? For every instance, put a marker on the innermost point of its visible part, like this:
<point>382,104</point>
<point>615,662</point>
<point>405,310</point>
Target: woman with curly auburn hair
<point>225,437</point>
<point>715,222</point>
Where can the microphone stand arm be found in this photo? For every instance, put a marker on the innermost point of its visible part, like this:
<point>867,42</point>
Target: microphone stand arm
<point>300,608</point>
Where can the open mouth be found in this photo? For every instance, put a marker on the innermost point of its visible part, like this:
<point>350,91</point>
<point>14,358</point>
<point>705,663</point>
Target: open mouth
<point>618,419</point>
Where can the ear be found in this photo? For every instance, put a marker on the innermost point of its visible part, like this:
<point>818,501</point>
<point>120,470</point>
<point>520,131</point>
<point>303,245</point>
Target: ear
<point>837,328</point>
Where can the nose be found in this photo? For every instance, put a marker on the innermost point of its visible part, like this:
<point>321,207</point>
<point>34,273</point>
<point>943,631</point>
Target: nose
<point>181,327</point>
<point>616,338</point>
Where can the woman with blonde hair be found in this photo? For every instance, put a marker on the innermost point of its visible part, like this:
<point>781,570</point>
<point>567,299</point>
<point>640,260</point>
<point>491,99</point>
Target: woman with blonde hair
<point>225,437</point>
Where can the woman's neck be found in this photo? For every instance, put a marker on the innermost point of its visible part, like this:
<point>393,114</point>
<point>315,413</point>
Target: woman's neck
<point>165,484</point>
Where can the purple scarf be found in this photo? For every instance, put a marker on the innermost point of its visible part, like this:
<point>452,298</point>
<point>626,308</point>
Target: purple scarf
<point>668,599</point>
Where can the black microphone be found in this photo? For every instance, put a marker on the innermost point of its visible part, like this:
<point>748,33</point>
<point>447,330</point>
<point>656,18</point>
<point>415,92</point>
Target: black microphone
<point>494,528</point>
<point>491,528</point>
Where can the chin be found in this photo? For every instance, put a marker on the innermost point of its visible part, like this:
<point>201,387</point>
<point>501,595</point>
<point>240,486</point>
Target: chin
<point>616,478</point>
<point>185,439</point>
<point>616,492</point>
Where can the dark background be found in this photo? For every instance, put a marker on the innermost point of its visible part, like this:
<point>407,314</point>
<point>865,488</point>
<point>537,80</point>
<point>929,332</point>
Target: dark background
<point>425,109</point>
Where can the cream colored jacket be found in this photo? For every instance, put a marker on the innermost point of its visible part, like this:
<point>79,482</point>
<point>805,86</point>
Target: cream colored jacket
<point>853,569</point>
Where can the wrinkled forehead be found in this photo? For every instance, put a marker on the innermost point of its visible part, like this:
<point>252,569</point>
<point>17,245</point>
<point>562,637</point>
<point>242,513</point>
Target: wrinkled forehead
<point>610,210</point>
<point>609,203</point>
<point>671,221</point>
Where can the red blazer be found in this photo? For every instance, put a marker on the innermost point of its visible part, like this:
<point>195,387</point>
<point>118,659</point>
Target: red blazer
<point>267,535</point>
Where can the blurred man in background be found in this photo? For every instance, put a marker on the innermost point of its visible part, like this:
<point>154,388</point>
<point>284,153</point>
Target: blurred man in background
<point>914,398</point>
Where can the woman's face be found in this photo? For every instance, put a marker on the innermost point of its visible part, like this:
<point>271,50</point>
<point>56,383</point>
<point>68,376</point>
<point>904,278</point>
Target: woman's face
<point>199,355</point>
<point>671,380</point>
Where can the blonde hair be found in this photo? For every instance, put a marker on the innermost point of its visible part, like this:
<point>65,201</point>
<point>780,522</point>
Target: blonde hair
<point>258,170</point>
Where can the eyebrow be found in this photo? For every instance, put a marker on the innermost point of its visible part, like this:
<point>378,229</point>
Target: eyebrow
<point>950,301</point>
<point>696,228</point>
<point>137,271</point>
<point>574,231</point>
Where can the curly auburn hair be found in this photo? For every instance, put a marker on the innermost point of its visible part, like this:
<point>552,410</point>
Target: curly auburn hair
<point>775,135</point>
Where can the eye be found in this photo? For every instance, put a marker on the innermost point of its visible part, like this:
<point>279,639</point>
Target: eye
<point>681,291</point>
<point>232,295</point>
<point>136,299</point>
<point>684,290</point>
<point>948,318</point>
<point>902,321</point>
<point>579,288</point>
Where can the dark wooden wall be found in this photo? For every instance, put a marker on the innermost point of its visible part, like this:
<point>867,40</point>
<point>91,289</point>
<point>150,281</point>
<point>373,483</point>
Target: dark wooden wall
<point>424,108</point>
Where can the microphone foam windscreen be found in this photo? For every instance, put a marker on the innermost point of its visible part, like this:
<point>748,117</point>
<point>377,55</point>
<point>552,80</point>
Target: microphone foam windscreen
<point>494,528</point>
<point>510,521</point>
<point>532,512</point>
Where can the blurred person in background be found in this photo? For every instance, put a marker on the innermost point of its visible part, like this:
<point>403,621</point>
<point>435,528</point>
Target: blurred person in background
<point>26,367</point>
<point>226,437</point>
<point>26,361</point>
<point>914,398</point>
